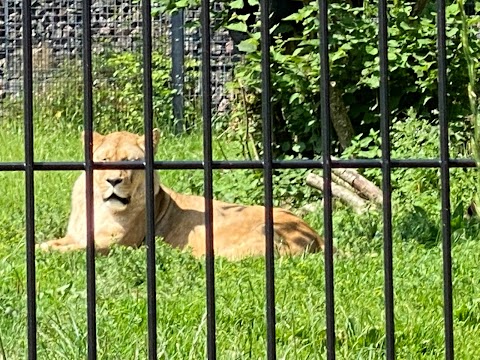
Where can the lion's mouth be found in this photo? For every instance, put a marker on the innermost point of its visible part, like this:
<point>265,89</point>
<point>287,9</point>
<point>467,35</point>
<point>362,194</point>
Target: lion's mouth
<point>124,201</point>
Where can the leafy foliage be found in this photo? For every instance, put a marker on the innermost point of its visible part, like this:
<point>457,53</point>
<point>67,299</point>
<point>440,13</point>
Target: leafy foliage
<point>354,66</point>
<point>117,95</point>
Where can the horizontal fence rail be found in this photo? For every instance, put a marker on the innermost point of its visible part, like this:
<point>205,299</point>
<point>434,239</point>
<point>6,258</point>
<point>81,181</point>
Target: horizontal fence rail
<point>249,164</point>
<point>267,165</point>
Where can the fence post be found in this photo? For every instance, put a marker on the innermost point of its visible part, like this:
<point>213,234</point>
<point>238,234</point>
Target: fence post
<point>178,55</point>
<point>6,77</point>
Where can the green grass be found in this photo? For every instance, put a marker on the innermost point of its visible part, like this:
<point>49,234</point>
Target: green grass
<point>240,298</point>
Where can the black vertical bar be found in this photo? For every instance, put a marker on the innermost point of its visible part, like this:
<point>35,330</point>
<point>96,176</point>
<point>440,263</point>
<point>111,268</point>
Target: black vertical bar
<point>88,140</point>
<point>267,180</point>
<point>208,179</point>
<point>178,55</point>
<point>149,190</point>
<point>327,178</point>
<point>445,180</point>
<point>29,179</point>
<point>386,180</point>
<point>6,46</point>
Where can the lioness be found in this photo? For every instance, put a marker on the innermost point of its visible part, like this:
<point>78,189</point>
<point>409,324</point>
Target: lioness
<point>119,212</point>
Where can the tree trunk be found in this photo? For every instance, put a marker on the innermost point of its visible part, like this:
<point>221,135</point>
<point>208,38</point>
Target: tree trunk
<point>339,116</point>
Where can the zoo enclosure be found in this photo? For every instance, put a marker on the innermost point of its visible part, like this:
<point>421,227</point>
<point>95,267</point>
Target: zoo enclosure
<point>116,26</point>
<point>267,164</point>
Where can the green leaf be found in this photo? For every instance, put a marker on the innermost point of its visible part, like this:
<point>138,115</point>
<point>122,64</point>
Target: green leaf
<point>299,147</point>
<point>237,26</point>
<point>338,55</point>
<point>294,97</point>
<point>427,98</point>
<point>237,4</point>
<point>452,9</point>
<point>405,25</point>
<point>392,56</point>
<point>422,42</point>
<point>243,18</point>
<point>294,17</point>
<point>181,3</point>
<point>248,46</point>
<point>372,81</point>
<point>452,32</point>
<point>393,43</point>
<point>372,50</point>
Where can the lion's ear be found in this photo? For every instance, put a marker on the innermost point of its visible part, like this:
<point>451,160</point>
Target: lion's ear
<point>96,137</point>
<point>156,133</point>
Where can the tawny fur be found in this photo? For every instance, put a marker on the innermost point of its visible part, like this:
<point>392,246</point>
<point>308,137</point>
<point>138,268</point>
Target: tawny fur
<point>238,230</point>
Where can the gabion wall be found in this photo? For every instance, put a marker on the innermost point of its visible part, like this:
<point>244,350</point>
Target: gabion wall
<point>116,24</point>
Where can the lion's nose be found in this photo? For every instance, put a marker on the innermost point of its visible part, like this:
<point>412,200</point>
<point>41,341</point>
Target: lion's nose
<point>114,181</point>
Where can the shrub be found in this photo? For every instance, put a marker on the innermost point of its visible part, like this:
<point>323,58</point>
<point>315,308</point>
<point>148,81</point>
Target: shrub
<point>117,95</point>
<point>354,65</point>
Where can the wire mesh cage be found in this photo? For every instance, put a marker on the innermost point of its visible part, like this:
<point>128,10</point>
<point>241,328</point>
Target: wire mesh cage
<point>116,27</point>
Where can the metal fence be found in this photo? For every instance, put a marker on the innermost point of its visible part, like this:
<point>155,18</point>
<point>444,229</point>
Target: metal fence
<point>267,164</point>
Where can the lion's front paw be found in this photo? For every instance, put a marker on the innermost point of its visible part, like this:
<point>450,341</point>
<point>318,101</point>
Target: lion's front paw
<point>64,244</point>
<point>42,246</point>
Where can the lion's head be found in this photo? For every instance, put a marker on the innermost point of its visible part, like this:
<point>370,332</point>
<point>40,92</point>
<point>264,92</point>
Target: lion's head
<point>120,188</point>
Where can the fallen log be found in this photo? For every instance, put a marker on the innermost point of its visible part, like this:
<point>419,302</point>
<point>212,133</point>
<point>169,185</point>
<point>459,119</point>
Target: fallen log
<point>348,197</point>
<point>364,186</point>
<point>343,183</point>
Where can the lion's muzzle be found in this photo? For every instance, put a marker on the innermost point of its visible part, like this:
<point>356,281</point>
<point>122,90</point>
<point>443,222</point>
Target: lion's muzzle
<point>114,181</point>
<point>115,197</point>
<point>116,191</point>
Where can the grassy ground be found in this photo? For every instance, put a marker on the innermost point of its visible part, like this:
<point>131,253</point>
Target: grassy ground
<point>300,304</point>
